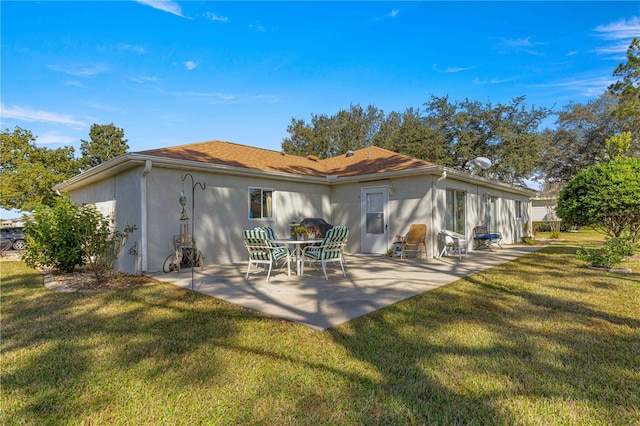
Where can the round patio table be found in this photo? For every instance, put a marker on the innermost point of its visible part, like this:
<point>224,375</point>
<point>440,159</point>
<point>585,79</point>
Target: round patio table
<point>297,246</point>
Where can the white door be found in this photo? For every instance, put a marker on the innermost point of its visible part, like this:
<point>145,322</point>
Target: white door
<point>375,219</point>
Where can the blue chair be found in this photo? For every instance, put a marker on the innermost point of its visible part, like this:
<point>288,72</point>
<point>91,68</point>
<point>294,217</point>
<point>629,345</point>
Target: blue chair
<point>330,250</point>
<point>482,239</point>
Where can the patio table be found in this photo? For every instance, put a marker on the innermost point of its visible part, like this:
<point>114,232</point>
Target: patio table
<point>297,246</point>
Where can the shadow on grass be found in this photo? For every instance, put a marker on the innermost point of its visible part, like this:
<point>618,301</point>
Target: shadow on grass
<point>466,352</point>
<point>52,341</point>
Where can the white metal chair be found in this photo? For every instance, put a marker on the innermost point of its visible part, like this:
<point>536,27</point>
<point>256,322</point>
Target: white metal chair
<point>330,250</point>
<point>262,251</point>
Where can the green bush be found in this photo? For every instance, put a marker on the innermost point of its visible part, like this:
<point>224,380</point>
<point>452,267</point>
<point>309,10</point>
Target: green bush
<point>606,197</point>
<point>100,241</point>
<point>625,246</point>
<point>52,237</point>
<point>611,253</point>
<point>67,235</point>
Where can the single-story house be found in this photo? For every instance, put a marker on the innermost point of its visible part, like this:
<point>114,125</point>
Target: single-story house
<point>230,187</point>
<point>543,209</point>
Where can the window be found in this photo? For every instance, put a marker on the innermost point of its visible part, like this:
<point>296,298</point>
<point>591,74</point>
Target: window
<point>490,212</point>
<point>261,203</point>
<point>455,216</point>
<point>519,209</point>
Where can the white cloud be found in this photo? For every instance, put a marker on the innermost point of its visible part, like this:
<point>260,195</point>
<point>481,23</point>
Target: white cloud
<point>620,33</point>
<point>164,5</point>
<point>212,16</point>
<point>142,79</point>
<point>258,27</point>
<point>86,72</point>
<point>453,70</point>
<point>75,83</point>
<point>55,137</point>
<point>495,80</point>
<point>524,45</point>
<point>620,46</point>
<point>34,116</point>
<point>588,87</point>
<point>101,107</point>
<point>191,65</point>
<point>621,29</point>
<point>132,48</point>
<point>394,13</point>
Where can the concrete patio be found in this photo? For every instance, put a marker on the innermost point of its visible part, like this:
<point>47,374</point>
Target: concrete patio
<point>372,283</point>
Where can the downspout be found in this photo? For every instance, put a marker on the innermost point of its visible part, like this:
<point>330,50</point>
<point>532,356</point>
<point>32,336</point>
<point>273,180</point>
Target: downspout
<point>434,212</point>
<point>142,258</point>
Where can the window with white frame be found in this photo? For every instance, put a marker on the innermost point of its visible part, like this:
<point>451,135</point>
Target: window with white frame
<point>456,206</point>
<point>519,212</point>
<point>491,213</point>
<point>261,203</point>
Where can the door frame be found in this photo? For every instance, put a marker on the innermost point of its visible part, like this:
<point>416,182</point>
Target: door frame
<point>381,243</point>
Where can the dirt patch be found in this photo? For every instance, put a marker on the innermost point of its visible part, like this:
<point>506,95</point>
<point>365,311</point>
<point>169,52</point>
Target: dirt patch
<point>83,280</point>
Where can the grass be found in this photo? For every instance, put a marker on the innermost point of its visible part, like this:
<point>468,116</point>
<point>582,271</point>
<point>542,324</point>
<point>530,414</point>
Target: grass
<point>541,340</point>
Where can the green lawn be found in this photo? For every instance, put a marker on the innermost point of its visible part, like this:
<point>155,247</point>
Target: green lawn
<point>542,340</point>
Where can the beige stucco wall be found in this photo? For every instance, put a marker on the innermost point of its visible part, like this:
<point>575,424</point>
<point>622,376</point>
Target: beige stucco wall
<point>221,209</point>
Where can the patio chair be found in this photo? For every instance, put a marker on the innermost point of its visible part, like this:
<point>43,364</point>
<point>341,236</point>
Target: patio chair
<point>482,239</point>
<point>452,242</point>
<point>330,250</point>
<point>414,241</point>
<point>262,251</point>
<point>271,234</point>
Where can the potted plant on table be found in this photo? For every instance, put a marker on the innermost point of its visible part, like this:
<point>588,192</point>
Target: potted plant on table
<point>300,232</point>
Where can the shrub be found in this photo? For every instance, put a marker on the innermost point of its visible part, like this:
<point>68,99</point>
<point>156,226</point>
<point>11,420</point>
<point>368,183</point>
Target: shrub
<point>611,253</point>
<point>67,235</point>
<point>606,196</point>
<point>53,240</point>
<point>100,241</point>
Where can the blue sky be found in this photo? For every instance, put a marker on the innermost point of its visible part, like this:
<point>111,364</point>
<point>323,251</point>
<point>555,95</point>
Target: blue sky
<point>176,72</point>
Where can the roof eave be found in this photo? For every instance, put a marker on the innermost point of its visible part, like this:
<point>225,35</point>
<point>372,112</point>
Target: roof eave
<point>130,160</point>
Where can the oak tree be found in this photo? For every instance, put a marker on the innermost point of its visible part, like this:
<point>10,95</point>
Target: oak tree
<point>29,172</point>
<point>107,142</point>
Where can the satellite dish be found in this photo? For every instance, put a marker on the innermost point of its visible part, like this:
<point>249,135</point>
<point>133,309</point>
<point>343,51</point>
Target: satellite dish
<point>483,162</point>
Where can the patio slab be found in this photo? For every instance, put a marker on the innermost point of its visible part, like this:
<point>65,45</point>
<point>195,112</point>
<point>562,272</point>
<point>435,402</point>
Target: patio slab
<point>372,283</point>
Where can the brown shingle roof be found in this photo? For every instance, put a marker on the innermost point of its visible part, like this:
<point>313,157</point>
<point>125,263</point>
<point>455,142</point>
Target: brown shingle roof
<point>371,160</point>
<point>363,161</point>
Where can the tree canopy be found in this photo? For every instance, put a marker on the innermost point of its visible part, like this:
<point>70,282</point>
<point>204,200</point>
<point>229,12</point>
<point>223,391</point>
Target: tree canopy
<point>627,88</point>
<point>446,133</point>
<point>107,142</point>
<point>29,172</point>
<point>580,137</point>
<point>327,136</point>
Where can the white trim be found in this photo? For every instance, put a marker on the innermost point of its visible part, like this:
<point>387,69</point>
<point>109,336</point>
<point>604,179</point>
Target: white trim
<point>273,216</point>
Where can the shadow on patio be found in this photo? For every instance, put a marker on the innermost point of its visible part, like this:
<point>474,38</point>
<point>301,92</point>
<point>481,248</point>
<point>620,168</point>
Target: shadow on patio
<point>372,283</point>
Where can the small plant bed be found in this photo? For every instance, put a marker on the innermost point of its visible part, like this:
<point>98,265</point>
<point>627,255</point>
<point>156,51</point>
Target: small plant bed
<point>83,279</point>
